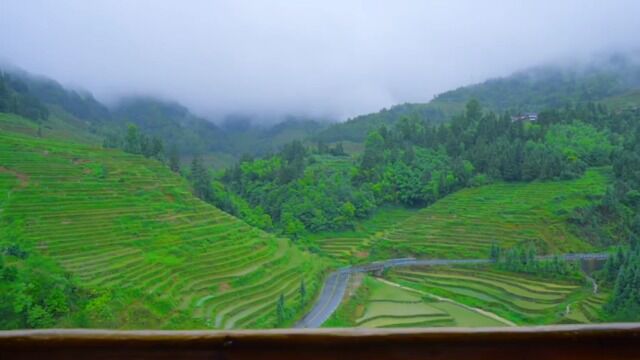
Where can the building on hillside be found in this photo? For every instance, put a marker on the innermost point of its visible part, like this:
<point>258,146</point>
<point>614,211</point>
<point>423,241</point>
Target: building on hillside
<point>525,117</point>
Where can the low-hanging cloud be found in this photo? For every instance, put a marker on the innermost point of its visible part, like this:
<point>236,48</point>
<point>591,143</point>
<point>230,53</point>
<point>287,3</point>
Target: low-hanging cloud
<point>325,58</point>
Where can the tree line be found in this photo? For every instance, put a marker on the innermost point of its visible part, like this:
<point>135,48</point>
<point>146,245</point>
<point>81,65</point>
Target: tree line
<point>134,141</point>
<point>284,314</point>
<point>522,258</point>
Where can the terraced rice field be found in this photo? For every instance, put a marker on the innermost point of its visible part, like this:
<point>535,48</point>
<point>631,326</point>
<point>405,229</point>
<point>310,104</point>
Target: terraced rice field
<point>391,306</point>
<point>351,246</point>
<point>587,310</point>
<point>466,223</point>
<point>120,221</point>
<point>513,296</point>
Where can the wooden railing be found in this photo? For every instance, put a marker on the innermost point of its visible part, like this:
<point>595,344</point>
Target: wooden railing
<point>611,341</point>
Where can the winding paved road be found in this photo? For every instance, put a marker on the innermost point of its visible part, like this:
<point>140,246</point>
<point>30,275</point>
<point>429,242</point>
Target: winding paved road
<point>336,283</point>
<point>330,297</point>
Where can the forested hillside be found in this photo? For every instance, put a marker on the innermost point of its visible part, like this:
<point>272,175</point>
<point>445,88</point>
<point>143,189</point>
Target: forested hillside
<point>15,98</point>
<point>552,86</point>
<point>530,90</point>
<point>415,164</point>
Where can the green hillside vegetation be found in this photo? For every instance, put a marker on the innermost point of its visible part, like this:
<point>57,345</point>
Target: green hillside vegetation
<point>415,164</point>
<point>516,297</point>
<point>380,305</point>
<point>480,171</point>
<point>545,87</point>
<point>465,224</point>
<point>135,248</point>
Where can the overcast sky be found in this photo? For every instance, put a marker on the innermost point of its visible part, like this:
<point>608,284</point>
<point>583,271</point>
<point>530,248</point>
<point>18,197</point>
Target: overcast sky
<point>319,58</point>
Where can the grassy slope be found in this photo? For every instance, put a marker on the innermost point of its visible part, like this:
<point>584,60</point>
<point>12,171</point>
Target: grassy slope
<point>121,222</point>
<point>466,223</point>
<point>520,298</point>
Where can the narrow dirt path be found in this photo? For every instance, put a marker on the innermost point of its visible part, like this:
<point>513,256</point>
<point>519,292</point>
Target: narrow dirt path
<point>595,284</point>
<point>23,179</point>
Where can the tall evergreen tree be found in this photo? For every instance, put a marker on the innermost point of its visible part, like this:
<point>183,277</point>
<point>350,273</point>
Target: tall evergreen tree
<point>303,293</point>
<point>201,180</point>
<point>373,155</point>
<point>132,140</point>
<point>157,148</point>
<point>280,311</point>
<point>174,159</point>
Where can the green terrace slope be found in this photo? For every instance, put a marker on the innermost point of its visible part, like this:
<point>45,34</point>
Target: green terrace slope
<point>517,297</point>
<point>129,230</point>
<point>345,246</point>
<point>466,223</point>
<point>379,304</point>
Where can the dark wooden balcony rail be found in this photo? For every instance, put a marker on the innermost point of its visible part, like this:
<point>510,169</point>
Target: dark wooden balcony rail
<point>611,341</point>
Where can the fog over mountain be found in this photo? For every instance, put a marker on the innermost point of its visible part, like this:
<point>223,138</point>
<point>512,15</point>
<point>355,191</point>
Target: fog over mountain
<point>329,59</point>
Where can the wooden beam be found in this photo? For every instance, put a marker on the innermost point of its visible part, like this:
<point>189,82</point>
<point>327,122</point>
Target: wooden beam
<point>611,341</point>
